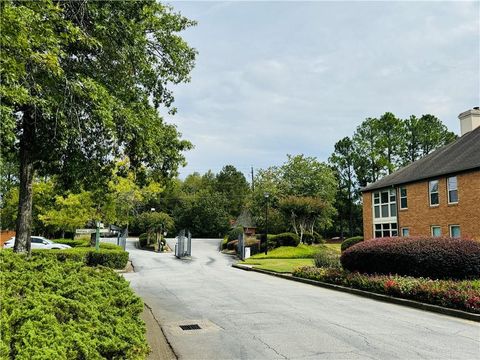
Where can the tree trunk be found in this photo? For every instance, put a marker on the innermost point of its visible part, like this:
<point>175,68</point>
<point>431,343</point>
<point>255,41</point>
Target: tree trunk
<point>24,215</point>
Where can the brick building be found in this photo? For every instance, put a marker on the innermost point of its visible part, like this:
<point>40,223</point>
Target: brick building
<point>438,195</point>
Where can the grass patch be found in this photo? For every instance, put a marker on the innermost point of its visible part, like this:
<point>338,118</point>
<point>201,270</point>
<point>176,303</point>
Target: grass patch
<point>334,247</point>
<point>278,265</point>
<point>301,251</point>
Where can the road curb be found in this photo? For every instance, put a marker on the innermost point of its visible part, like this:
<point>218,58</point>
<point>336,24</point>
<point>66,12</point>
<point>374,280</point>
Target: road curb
<point>385,298</point>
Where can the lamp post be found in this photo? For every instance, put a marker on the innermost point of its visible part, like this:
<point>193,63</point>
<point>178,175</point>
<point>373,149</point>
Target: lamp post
<point>266,195</point>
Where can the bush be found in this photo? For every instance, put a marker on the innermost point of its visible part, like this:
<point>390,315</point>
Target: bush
<point>327,259</point>
<point>284,239</point>
<point>86,243</point>
<point>436,258</point>
<point>232,245</point>
<point>316,238</point>
<point>350,242</point>
<point>463,295</point>
<point>143,240</point>
<point>254,245</point>
<point>116,259</point>
<point>234,233</point>
<point>224,242</point>
<point>64,310</point>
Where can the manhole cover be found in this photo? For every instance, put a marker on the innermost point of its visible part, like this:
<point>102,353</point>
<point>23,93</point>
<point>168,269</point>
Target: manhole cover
<point>190,327</point>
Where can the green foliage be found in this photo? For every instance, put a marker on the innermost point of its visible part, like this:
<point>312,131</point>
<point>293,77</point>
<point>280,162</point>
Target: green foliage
<point>143,240</point>
<point>234,233</point>
<point>436,258</point>
<point>203,214</point>
<point>350,242</point>
<point>328,259</point>
<point>70,212</point>
<point>278,265</point>
<point>86,244</point>
<point>462,295</point>
<point>284,239</point>
<point>113,258</point>
<point>224,243</point>
<point>154,222</point>
<point>64,310</point>
<point>232,184</point>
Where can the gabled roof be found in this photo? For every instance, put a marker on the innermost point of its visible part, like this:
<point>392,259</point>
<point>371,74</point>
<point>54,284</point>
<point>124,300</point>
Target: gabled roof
<point>458,156</point>
<point>245,219</point>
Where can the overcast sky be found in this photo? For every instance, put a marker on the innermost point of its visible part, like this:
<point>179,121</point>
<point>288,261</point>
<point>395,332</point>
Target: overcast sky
<point>277,78</point>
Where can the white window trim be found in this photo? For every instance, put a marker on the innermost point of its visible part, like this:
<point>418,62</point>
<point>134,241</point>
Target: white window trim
<point>429,193</point>
<point>450,229</point>
<point>431,230</point>
<point>448,191</point>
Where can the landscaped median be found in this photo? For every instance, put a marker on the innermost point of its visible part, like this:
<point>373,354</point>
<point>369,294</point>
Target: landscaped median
<point>286,258</point>
<point>446,272</point>
<point>53,306</point>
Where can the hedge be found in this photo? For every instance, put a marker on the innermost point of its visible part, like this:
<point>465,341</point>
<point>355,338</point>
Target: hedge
<point>65,310</point>
<point>350,242</point>
<point>234,233</point>
<point>86,243</point>
<point>284,239</point>
<point>436,258</point>
<point>462,295</point>
<point>116,259</point>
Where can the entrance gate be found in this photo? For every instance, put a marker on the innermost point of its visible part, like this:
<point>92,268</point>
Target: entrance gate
<point>183,246</point>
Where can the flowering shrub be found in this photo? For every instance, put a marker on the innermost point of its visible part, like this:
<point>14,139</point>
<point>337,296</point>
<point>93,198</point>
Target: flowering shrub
<point>462,295</point>
<point>436,258</point>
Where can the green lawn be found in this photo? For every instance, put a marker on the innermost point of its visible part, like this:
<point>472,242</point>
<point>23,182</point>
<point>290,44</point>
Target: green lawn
<point>335,247</point>
<point>278,265</point>
<point>291,252</point>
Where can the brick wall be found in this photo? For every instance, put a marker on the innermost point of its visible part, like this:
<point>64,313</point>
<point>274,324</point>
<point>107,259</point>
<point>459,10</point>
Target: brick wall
<point>420,216</point>
<point>367,216</point>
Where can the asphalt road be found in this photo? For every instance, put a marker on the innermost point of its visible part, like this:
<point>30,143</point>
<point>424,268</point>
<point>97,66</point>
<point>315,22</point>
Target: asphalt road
<point>247,315</point>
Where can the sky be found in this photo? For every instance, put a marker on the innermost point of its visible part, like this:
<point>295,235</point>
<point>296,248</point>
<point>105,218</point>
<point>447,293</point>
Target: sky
<point>274,77</point>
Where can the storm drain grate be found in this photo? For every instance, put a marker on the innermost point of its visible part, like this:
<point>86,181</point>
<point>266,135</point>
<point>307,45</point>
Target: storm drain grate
<point>191,327</point>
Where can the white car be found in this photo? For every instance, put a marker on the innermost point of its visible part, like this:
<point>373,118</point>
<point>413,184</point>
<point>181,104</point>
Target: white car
<point>38,242</point>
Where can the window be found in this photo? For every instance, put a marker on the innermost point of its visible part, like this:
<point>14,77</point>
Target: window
<point>433,191</point>
<point>405,232</point>
<point>452,190</point>
<point>455,231</point>
<point>386,230</point>
<point>384,204</point>
<point>436,231</point>
<point>403,198</point>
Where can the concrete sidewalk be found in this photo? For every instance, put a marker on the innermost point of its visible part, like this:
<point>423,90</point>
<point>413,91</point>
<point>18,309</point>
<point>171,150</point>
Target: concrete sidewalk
<point>159,346</point>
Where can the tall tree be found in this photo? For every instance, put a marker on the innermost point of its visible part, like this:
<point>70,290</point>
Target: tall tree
<point>389,140</point>
<point>82,82</point>
<point>233,185</point>
<point>343,160</point>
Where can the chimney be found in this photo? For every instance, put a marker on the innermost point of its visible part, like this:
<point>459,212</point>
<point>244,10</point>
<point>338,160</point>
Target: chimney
<point>469,120</point>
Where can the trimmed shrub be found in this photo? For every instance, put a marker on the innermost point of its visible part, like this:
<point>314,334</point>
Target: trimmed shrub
<point>463,295</point>
<point>234,233</point>
<point>327,259</point>
<point>254,245</point>
<point>224,242</point>
<point>316,238</point>
<point>232,245</point>
<point>284,239</point>
<point>65,310</point>
<point>436,258</point>
<point>350,242</point>
<point>116,259</point>
<point>86,243</point>
<point>143,240</point>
